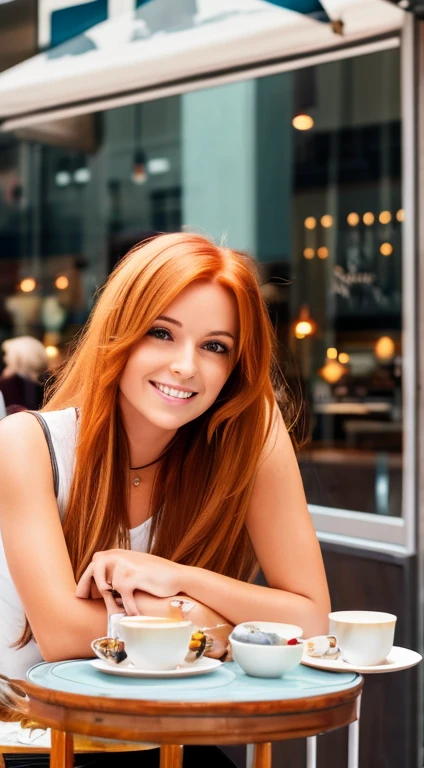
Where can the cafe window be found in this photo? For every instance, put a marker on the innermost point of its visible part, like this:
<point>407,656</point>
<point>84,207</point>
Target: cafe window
<point>302,169</point>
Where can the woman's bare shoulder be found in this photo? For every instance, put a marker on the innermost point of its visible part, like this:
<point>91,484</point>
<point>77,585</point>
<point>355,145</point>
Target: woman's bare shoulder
<point>21,426</point>
<point>23,447</point>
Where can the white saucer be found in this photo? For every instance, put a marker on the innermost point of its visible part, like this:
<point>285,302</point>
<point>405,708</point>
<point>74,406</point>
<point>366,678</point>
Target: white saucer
<point>201,667</point>
<point>398,658</point>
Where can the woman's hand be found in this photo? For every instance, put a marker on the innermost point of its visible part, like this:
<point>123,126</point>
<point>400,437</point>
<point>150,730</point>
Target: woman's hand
<point>126,572</point>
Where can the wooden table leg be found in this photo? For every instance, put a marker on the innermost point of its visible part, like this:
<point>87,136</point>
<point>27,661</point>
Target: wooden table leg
<point>261,755</point>
<point>62,752</point>
<point>171,756</point>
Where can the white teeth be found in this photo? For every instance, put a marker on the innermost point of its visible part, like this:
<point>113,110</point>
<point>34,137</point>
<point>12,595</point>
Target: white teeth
<point>174,392</point>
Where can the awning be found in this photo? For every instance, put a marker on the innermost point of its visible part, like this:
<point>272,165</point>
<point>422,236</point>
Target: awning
<point>171,46</point>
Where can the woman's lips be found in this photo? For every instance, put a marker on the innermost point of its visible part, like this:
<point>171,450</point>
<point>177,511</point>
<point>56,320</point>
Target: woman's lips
<point>171,399</point>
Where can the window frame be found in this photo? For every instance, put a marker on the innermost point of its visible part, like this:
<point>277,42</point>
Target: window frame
<point>394,535</point>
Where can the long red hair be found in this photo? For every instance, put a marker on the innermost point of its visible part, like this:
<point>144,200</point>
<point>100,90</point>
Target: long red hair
<point>203,486</point>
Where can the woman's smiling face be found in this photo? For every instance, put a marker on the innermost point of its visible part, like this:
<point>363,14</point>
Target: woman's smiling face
<point>179,367</point>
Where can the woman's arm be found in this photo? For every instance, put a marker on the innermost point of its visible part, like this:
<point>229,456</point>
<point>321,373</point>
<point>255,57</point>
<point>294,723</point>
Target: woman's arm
<point>36,552</point>
<point>35,547</point>
<point>285,543</point>
<point>286,546</point>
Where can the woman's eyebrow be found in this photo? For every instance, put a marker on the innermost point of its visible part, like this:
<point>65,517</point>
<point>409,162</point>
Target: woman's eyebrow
<point>180,325</point>
<point>221,333</point>
<point>170,320</point>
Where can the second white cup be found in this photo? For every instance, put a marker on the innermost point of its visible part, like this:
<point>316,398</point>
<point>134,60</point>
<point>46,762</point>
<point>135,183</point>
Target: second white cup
<point>365,638</point>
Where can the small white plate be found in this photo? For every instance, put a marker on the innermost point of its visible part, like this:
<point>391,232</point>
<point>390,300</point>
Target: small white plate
<point>200,667</point>
<point>398,658</point>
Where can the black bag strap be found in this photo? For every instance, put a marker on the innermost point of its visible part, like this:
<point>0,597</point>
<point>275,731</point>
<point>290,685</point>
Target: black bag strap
<point>44,426</point>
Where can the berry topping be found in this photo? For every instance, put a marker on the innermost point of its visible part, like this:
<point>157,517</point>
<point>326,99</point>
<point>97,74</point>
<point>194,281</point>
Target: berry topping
<point>293,641</point>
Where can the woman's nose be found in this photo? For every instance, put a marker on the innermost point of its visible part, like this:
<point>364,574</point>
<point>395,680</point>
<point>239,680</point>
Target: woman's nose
<point>185,364</point>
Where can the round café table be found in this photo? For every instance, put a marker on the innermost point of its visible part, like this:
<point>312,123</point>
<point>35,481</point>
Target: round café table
<point>223,707</point>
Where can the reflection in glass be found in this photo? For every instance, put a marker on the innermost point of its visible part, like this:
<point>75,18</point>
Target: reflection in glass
<point>320,209</point>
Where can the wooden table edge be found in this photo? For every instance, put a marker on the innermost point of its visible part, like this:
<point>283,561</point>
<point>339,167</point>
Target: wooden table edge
<point>86,702</point>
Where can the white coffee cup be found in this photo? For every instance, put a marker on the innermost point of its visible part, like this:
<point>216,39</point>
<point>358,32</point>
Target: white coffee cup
<point>156,643</point>
<point>365,638</point>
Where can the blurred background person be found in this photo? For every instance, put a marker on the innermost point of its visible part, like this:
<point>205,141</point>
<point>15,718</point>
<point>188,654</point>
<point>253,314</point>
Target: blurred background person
<point>25,363</point>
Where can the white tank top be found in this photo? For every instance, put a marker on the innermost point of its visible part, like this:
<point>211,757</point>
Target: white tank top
<point>60,429</point>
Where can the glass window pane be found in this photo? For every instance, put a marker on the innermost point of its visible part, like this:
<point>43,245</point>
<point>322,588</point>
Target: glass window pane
<point>302,170</point>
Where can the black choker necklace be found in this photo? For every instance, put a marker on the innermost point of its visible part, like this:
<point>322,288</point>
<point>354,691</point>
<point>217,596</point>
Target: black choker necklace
<point>134,469</point>
<point>137,479</point>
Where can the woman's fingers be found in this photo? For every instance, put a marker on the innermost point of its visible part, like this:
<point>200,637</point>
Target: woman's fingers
<point>130,604</point>
<point>95,577</point>
<point>126,583</point>
<point>103,575</point>
<point>111,605</point>
<point>85,582</point>
<point>110,577</point>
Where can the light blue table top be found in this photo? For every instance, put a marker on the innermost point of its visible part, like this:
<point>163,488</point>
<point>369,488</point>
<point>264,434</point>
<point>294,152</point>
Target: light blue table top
<point>227,683</point>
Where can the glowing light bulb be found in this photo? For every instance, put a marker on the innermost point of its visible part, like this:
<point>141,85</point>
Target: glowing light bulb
<point>310,222</point>
<point>332,371</point>
<point>353,219</point>
<point>322,252</point>
<point>61,282</point>
<point>326,221</point>
<point>308,253</point>
<point>51,351</point>
<point>385,217</point>
<point>368,218</point>
<point>400,214</point>
<point>344,358</point>
<point>384,348</point>
<point>386,249</point>
<point>303,122</point>
<point>332,353</point>
<point>27,284</point>
<point>303,328</point>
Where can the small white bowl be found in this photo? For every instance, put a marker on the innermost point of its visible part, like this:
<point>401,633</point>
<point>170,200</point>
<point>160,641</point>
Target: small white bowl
<point>268,660</point>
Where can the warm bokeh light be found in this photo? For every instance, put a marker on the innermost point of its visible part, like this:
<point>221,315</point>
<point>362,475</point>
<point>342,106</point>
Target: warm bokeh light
<point>304,325</point>
<point>368,218</point>
<point>27,284</point>
<point>310,222</point>
<point>384,348</point>
<point>386,249</point>
<point>332,353</point>
<point>332,371</point>
<point>353,219</point>
<point>400,214</point>
<point>308,253</point>
<point>61,282</point>
<point>322,252</point>
<point>303,328</point>
<point>344,358</point>
<point>52,351</point>
<point>385,217</point>
<point>303,122</point>
<point>326,221</point>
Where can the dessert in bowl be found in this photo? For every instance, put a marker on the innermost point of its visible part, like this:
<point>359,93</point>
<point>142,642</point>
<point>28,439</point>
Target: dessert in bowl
<point>266,648</point>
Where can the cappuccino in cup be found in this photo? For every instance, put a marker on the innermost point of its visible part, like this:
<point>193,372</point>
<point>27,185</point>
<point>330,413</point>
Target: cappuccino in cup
<point>155,643</point>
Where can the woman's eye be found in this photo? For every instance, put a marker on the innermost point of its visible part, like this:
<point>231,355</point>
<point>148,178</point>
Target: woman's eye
<point>216,346</point>
<point>159,333</point>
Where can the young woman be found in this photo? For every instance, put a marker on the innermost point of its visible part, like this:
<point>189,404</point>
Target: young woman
<point>169,461</point>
